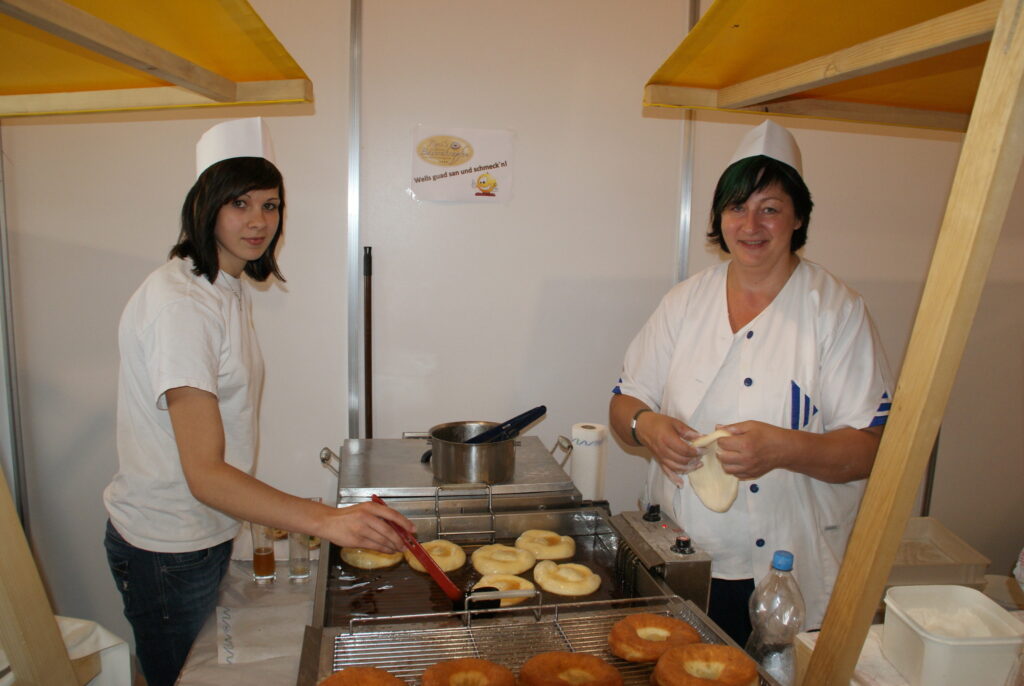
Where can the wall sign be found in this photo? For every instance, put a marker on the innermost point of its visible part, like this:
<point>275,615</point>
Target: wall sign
<point>462,165</point>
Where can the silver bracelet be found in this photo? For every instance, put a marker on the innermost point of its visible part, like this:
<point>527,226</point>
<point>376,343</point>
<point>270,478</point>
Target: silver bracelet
<point>632,424</point>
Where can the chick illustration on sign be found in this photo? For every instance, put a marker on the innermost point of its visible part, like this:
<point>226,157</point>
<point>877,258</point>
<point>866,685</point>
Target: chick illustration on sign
<point>485,184</point>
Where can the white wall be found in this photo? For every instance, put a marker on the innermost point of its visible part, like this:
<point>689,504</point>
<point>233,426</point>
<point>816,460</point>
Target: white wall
<point>480,311</point>
<point>483,312</point>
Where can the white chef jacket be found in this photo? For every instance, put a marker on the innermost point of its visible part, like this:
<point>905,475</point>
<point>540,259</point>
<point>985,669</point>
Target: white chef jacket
<point>178,329</point>
<point>810,361</point>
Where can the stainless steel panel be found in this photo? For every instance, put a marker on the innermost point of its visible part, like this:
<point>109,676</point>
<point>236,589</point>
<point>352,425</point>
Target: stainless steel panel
<point>392,466</point>
<point>688,574</point>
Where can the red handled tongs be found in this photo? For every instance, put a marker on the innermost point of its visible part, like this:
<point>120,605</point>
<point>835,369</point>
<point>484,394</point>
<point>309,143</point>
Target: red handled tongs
<point>449,588</point>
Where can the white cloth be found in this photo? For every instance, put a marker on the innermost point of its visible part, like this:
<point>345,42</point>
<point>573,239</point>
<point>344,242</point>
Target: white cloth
<point>810,361</point>
<point>83,638</point>
<point>179,330</point>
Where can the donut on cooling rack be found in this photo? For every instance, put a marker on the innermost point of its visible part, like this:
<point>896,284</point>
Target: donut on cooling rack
<point>705,664</point>
<point>565,579</point>
<point>362,676</point>
<point>446,554</point>
<point>643,637</point>
<point>562,669</point>
<point>546,545</point>
<point>505,582</point>
<point>364,558</point>
<point>501,559</point>
<point>468,671</point>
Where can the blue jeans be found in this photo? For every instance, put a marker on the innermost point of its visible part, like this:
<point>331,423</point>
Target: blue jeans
<point>167,597</point>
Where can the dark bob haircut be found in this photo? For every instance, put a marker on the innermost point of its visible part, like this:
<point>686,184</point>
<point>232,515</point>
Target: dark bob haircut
<point>745,177</point>
<point>220,184</point>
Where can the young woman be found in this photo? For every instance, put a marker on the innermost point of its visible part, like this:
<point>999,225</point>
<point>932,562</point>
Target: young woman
<point>188,404</point>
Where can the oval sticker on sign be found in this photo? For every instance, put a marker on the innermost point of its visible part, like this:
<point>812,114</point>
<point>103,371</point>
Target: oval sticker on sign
<point>444,151</point>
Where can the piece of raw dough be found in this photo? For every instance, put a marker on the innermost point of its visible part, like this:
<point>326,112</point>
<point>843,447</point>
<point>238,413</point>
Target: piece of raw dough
<point>715,488</point>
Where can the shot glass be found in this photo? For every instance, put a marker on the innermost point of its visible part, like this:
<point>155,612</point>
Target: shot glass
<point>263,569</point>
<point>298,557</point>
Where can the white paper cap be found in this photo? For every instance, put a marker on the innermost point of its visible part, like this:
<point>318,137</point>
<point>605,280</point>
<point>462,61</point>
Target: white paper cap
<point>773,141</point>
<point>235,138</point>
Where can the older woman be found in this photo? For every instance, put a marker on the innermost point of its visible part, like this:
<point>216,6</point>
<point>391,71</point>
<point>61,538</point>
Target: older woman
<point>780,354</point>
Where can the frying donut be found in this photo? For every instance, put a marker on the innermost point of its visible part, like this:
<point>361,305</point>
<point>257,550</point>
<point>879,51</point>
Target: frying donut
<point>468,671</point>
<point>446,554</point>
<point>705,664</point>
<point>565,579</point>
<point>364,558</point>
<point>560,669</point>
<point>362,676</point>
<point>502,559</point>
<point>546,545</point>
<point>644,637</point>
<point>505,582</point>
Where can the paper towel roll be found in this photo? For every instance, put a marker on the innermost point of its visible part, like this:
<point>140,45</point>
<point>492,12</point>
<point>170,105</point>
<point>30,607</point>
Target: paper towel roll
<point>586,466</point>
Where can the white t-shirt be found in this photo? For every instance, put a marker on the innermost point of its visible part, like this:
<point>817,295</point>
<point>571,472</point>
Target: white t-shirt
<point>810,361</point>
<point>178,330</point>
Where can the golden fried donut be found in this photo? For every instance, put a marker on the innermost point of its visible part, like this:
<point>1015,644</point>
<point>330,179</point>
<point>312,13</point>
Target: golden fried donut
<point>502,559</point>
<point>559,669</point>
<point>505,582</point>
<point>362,676</point>
<point>364,558</point>
<point>468,671</point>
<point>446,554</point>
<point>567,578</point>
<point>546,545</point>
<point>705,664</point>
<point>643,637</point>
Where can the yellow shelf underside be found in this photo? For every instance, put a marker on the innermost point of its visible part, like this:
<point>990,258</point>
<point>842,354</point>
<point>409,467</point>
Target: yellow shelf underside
<point>740,40</point>
<point>223,37</point>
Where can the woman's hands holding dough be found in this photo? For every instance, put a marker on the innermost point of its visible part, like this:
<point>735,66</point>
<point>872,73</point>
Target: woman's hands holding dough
<point>753,449</point>
<point>668,439</point>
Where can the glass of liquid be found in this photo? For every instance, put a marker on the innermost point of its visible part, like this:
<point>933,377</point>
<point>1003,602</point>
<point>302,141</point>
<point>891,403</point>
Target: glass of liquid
<point>263,568</point>
<point>298,557</point>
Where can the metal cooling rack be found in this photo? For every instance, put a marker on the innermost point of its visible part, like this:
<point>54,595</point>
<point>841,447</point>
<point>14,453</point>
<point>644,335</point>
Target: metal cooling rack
<point>574,627</point>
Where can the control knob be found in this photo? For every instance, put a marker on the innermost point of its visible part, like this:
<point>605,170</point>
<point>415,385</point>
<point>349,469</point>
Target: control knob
<point>683,546</point>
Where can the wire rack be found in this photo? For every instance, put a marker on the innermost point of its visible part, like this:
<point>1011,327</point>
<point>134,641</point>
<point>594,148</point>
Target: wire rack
<point>407,652</point>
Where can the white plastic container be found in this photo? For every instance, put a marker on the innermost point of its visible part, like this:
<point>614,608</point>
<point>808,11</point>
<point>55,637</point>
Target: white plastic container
<point>933,656</point>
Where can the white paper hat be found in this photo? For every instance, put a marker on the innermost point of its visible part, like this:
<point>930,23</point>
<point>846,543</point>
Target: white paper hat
<point>773,141</point>
<point>235,138</point>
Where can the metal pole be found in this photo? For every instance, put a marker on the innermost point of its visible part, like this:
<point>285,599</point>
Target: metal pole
<point>686,181</point>
<point>354,133</point>
<point>368,338</point>
<point>19,485</point>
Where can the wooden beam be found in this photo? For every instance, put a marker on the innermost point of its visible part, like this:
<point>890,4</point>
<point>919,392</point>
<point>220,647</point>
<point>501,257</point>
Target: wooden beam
<point>28,630</point>
<point>81,28</point>
<point>680,97</point>
<point>160,97</point>
<point>947,33</point>
<point>863,112</point>
<point>984,181</point>
<point>658,95</point>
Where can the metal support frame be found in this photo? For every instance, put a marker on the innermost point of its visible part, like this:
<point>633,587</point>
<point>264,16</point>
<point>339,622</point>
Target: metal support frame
<point>686,176</point>
<point>18,486</point>
<point>355,88</point>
